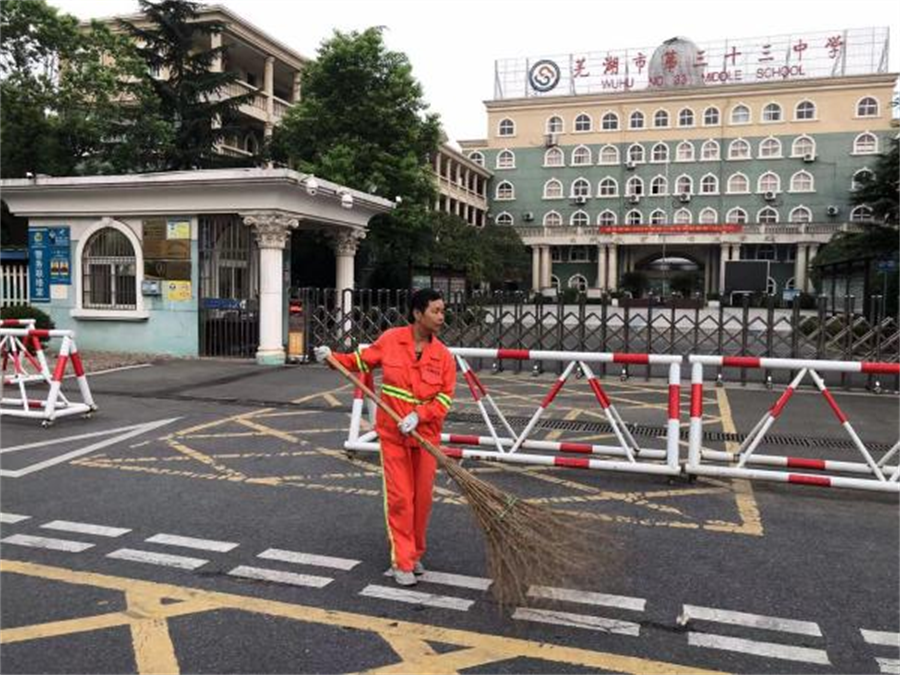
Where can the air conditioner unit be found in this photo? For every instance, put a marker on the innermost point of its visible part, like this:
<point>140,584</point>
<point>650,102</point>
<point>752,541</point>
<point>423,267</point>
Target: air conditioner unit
<point>528,216</point>
<point>833,210</point>
<point>684,197</point>
<point>809,157</point>
<point>630,164</point>
<point>581,200</point>
<point>551,139</point>
<point>769,196</point>
<point>634,199</point>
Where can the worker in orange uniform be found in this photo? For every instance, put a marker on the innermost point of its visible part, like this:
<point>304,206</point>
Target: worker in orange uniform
<point>419,378</point>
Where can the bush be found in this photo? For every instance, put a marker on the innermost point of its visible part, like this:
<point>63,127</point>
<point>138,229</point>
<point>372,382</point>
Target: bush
<point>42,320</point>
<point>569,296</point>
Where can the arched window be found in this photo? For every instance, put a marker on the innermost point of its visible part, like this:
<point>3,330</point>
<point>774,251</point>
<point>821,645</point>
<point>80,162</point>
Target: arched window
<point>708,216</point>
<point>661,119</point>
<point>684,184</point>
<point>736,216</point>
<point>658,217</point>
<point>583,122</point>
<point>740,114</point>
<point>606,218</point>
<point>685,117</point>
<point>636,153</point>
<point>867,107</point>
<point>861,214</point>
<point>555,125</point>
<point>738,184</point>
<point>682,217</point>
<point>633,217</point>
<point>709,185</point>
<point>660,153</point>
<point>865,144</point>
<point>609,122</point>
<point>711,117</point>
<point>634,186</point>
<point>772,113</point>
<point>659,185</point>
<point>768,182</point>
<point>767,216</point>
<point>505,190</point>
<point>802,181</point>
<point>552,219</point>
<point>477,157</point>
<point>109,271</point>
<point>801,214</point>
<point>579,219</point>
<point>684,152</point>
<point>504,218</point>
<point>553,189</point>
<point>769,148</point>
<point>506,128</point>
<point>581,188</point>
<point>636,121</point>
<point>803,146</point>
<point>578,282</point>
<point>506,159</point>
<point>609,154</point>
<point>581,156</point>
<point>805,110</point>
<point>608,187</point>
<point>739,149</point>
<point>861,178</point>
<point>554,281</point>
<point>709,151</point>
<point>554,157</point>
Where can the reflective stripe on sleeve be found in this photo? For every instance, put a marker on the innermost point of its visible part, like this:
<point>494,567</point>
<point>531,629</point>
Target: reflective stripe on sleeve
<point>445,400</point>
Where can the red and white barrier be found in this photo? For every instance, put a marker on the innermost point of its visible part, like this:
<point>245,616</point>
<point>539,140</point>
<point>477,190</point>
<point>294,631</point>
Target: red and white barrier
<point>56,404</point>
<point>880,475</point>
<point>515,447</point>
<point>25,356</point>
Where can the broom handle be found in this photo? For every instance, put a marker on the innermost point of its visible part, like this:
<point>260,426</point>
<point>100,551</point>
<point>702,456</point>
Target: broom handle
<point>338,366</point>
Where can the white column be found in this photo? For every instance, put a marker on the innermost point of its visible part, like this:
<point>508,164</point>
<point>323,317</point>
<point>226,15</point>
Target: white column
<point>725,250</point>
<point>601,267</point>
<point>613,266</point>
<point>346,242</point>
<point>800,268</point>
<point>215,41</point>
<point>546,267</point>
<point>535,268</point>
<point>272,230</point>
<point>269,84</point>
<point>811,252</point>
<point>295,91</point>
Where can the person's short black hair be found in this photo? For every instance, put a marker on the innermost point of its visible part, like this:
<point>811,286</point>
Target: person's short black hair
<point>421,299</point>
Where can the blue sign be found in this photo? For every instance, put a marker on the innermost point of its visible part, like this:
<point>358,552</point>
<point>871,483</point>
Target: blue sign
<point>887,265</point>
<point>221,303</point>
<point>49,260</point>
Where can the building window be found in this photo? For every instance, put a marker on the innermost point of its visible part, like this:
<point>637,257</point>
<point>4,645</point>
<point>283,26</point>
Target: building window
<point>658,217</point>
<point>803,146</point>
<point>861,178</point>
<point>636,153</point>
<point>504,219</point>
<point>765,252</point>
<point>861,214</point>
<point>686,117</point>
<point>583,122</point>
<point>740,114</point>
<point>684,152</point>
<point>708,216</point>
<point>769,148</point>
<point>634,186</point>
<point>506,128</point>
<point>739,149</point>
<point>865,144</point>
<point>659,186</point>
<point>577,281</point>
<point>709,151</point>
<point>771,113</point>
<point>477,157</point>
<point>552,219</point>
<point>682,217</point>
<point>554,280</point>
<point>684,185</point>
<point>579,219</point>
<point>736,216</point>
<point>711,117</point>
<point>581,188</point>
<point>661,119</point>
<point>802,181</point>
<point>554,157</point>
<point>709,185</point>
<point>109,271</point>
<point>609,154</point>
<point>581,156</point>
<point>801,214</point>
<point>506,160</point>
<point>768,182</point>
<point>609,122</point>
<point>867,107</point>
<point>738,184</point>
<point>636,121</point>
<point>505,190</point>
<point>553,189</point>
<point>555,125</point>
<point>804,111</point>
<point>579,254</point>
<point>660,153</point>
<point>608,187</point>
<point>767,216</point>
<point>607,218</point>
<point>633,217</point>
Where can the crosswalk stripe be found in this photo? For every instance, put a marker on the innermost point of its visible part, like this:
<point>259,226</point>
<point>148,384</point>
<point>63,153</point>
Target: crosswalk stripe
<point>85,528</point>
<point>757,648</point>
<point>881,637</point>
<point>12,518</point>
<point>749,620</point>
<point>308,559</point>
<point>447,579</point>
<point>47,542</point>
<point>192,542</point>
<point>262,574</point>
<point>888,665</point>
<point>587,597</point>
<point>598,623</point>
<point>152,558</point>
<point>416,598</point>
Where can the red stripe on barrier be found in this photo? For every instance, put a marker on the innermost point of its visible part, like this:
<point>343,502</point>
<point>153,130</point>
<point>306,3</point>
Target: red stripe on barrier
<point>473,387</point>
<point>781,402</point>
<point>35,404</point>
<point>696,400</point>
<point>602,398</point>
<point>456,453</point>
<point>575,447</point>
<point>357,393</point>
<point>834,406</point>
<point>36,344</point>
<point>880,368</point>
<point>674,401</point>
<point>31,359</point>
<point>554,390</point>
<point>809,480</point>
<point>741,361</point>
<point>10,323</point>
<point>621,357</point>
<point>39,333</point>
<point>60,368</point>
<point>478,384</point>
<point>802,463</point>
<point>572,462</point>
<point>463,439</point>
<point>517,354</point>
<point>77,364</point>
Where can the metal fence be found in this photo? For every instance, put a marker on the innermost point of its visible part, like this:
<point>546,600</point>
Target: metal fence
<point>522,322</point>
<point>14,284</point>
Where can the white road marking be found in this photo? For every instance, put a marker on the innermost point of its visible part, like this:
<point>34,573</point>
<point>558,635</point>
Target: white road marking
<point>47,542</point>
<point>12,518</point>
<point>277,576</point>
<point>308,559</point>
<point>770,649</point>
<point>694,612</point>
<point>164,559</point>
<point>86,528</point>
<point>888,665</point>
<point>598,623</point>
<point>447,579</point>
<point>881,637</point>
<point>417,598</point>
<point>588,598</point>
<point>192,542</point>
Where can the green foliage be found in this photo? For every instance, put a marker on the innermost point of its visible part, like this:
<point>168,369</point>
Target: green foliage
<point>635,282</point>
<point>686,283</point>
<point>42,319</point>
<point>881,191</point>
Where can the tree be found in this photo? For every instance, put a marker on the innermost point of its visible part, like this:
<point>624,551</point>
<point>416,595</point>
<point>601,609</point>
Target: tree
<point>635,282</point>
<point>506,259</point>
<point>363,122</point>
<point>880,191</point>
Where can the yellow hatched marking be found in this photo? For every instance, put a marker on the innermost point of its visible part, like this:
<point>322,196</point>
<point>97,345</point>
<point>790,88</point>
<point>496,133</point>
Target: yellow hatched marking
<point>310,397</point>
<point>204,459</point>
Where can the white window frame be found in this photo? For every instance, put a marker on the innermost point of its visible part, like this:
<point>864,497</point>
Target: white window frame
<point>554,280</point>
<point>630,185</point>
<point>798,209</point>
<point>643,153</point>
<point>746,178</point>
<point>731,220</point>
<point>668,119</point>
<point>679,190</point>
<point>548,216</point>
<point>710,143</point>
<point>500,133</point>
<point>557,152</point>
<point>665,186</point>
<point>556,183</point>
<point>640,217</point>
<point>505,152</point>
<point>718,116</point>
<point>615,183</point>
<point>815,111</point>
<point>600,152</point>
<point>585,149</point>
<point>856,143</point>
<point>770,140</point>
<point>854,185</point>
<point>615,117</point>
<point>734,109</point>
<point>653,159</point>
<point>768,106</point>
<point>657,217</point>
<point>861,207</point>
<point>682,216</point>
<point>759,183</point>
<point>590,121</point>
<point>685,144</point>
<point>693,118</point>
<point>643,119</point>
<point>582,182</point>
<point>477,156</point>
<point>768,208</point>
<point>799,139</point>
<point>549,122</point>
<point>745,143</point>
<point>497,196</point>
<point>803,172</point>
<point>580,212</point>
<point>501,215</point>
<point>715,179</point>
<point>585,254</point>
<point>707,210</point>
<point>610,212</point>
<point>576,277</point>
<point>867,116</point>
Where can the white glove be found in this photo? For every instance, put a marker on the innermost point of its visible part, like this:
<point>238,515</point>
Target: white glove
<point>409,423</point>
<point>322,353</point>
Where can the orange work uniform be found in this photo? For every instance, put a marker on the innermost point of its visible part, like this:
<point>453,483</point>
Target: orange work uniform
<point>424,386</point>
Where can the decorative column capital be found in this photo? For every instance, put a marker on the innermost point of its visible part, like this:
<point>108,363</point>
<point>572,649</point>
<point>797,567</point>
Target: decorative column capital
<point>270,227</point>
<point>346,241</point>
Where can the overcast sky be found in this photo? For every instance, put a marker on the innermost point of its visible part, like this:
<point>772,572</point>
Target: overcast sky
<point>452,44</point>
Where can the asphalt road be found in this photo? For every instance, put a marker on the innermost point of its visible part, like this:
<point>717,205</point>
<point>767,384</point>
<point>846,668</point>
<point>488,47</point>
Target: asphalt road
<point>236,535</point>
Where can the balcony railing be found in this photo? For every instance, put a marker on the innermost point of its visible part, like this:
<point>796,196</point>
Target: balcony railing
<point>279,107</point>
<point>239,88</point>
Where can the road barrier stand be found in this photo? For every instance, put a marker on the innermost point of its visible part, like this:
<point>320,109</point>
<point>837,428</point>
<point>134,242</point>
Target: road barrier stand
<point>879,475</point>
<point>28,364</point>
<point>56,404</point>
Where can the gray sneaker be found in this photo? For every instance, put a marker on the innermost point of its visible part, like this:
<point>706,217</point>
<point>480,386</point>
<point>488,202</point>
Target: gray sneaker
<point>419,569</point>
<point>404,578</point>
